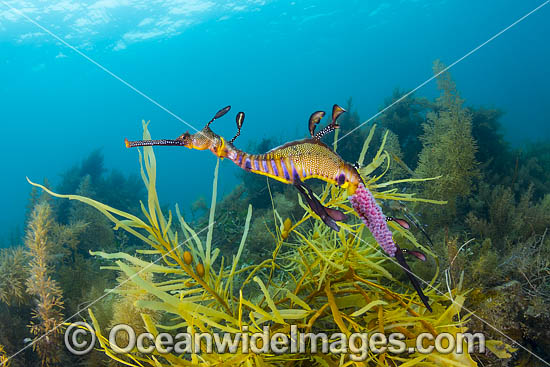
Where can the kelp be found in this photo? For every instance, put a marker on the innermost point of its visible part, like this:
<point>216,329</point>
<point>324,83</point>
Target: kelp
<point>47,314</point>
<point>13,273</point>
<point>448,149</point>
<point>316,279</point>
<point>4,358</point>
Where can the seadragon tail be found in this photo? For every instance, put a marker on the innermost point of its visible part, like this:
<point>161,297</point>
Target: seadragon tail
<point>369,211</point>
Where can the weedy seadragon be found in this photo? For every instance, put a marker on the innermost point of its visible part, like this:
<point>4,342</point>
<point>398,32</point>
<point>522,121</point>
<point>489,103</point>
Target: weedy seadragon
<point>297,161</point>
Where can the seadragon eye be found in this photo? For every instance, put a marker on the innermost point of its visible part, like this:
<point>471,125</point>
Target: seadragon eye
<point>185,137</point>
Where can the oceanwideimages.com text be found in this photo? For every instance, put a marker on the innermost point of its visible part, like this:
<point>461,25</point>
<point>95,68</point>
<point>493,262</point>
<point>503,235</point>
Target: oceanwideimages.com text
<point>80,338</point>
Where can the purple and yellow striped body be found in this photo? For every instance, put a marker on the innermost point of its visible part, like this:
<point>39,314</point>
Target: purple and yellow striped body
<point>295,161</point>
<point>290,163</point>
<point>302,159</point>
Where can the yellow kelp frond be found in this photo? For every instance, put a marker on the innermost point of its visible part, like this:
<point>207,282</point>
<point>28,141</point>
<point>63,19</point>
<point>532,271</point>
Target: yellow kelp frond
<point>345,283</point>
<point>4,358</point>
<point>317,280</point>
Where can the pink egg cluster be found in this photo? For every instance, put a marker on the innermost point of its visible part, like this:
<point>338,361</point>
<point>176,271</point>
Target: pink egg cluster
<point>371,214</point>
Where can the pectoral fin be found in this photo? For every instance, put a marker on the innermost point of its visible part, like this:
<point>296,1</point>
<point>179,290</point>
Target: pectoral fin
<point>328,216</point>
<point>419,255</point>
<point>402,222</point>
<point>336,214</point>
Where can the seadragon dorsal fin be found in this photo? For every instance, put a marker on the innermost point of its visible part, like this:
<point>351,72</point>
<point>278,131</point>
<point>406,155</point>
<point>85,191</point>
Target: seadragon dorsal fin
<point>336,112</point>
<point>314,119</point>
<point>239,120</point>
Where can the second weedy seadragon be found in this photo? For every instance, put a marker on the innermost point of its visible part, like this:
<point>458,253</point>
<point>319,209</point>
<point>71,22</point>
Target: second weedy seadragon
<point>297,161</point>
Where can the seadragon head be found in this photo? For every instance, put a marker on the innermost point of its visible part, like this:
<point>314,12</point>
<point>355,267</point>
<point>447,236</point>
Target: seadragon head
<point>201,140</point>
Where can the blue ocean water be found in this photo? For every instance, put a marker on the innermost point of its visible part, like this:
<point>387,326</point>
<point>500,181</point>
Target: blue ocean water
<point>276,60</point>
